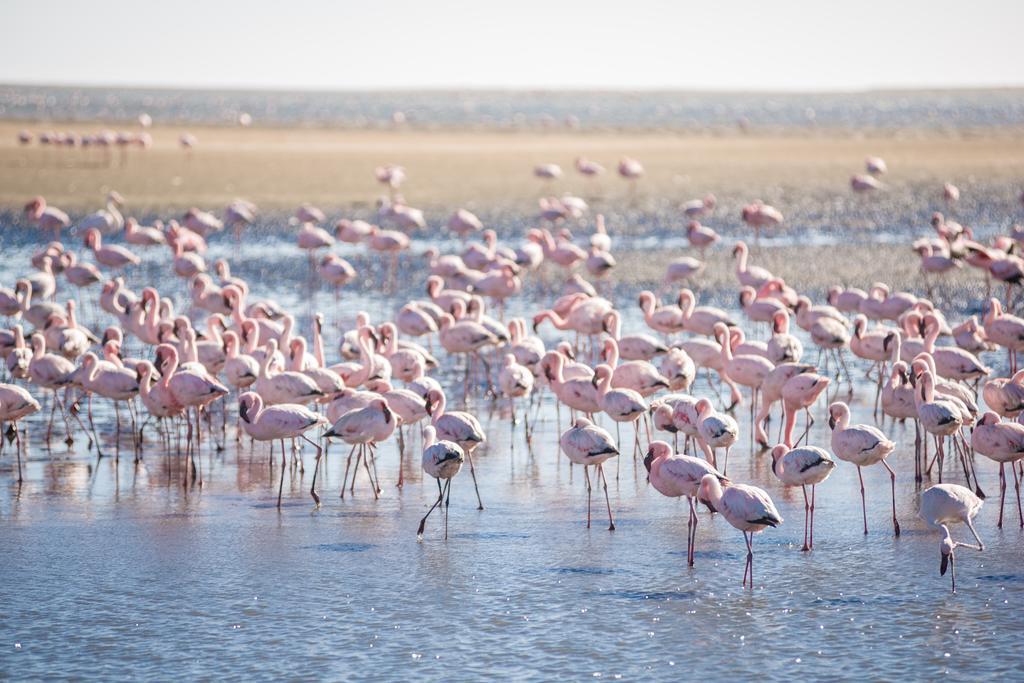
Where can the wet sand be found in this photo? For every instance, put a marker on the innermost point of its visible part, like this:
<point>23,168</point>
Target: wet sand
<point>278,168</point>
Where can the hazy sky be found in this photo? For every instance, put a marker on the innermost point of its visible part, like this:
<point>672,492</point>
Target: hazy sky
<point>727,44</point>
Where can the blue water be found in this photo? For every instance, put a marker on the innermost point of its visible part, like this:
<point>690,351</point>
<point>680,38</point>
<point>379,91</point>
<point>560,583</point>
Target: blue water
<point>513,109</point>
<point>112,569</point>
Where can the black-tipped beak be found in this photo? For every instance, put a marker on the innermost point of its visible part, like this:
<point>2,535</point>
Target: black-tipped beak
<point>648,460</point>
<point>831,421</point>
<point>887,342</point>
<point>593,381</point>
<point>243,411</point>
<point>944,565</point>
<point>773,467</point>
<point>427,407</point>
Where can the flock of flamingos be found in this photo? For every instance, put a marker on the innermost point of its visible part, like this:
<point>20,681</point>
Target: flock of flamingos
<point>230,346</point>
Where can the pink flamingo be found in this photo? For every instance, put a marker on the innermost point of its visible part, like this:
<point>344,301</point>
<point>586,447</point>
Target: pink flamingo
<point>746,508</point>
<point>587,444</point>
<point>46,218</point>
<point>675,475</point>
<point>759,216</point>
<point>109,256</point>
<point>1001,442</point>
<point>861,445</point>
<point>803,467</point>
<point>16,404</point>
<point>280,422</point>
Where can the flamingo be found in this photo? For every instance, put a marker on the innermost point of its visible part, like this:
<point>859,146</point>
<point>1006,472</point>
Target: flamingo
<point>16,404</point>
<point>759,215</point>
<point>675,475</point>
<point>458,427</point>
<point>46,218</point>
<point>109,256</point>
<point>119,384</point>
<point>441,460</point>
<point>515,381</point>
<point>803,467</point>
<point>861,445</point>
<point>588,168</point>
<point>363,428</point>
<point>108,219</point>
<point>875,165</point>
<point>464,223</point>
<point>698,208</point>
<point>1002,442</point>
<point>665,319</point>
<point>142,236</point>
<point>945,504</point>
<point>715,430</point>
<point>747,508</point>
<point>586,444</point>
<point>51,372</point>
<point>783,347</point>
<point>1005,330</point>
<point>281,421</point>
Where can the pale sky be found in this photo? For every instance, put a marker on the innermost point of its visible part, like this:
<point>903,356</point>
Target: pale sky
<point>380,44</point>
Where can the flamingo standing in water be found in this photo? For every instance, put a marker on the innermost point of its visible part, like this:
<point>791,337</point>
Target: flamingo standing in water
<point>945,504</point>
<point>675,475</point>
<point>861,445</point>
<point>15,404</point>
<point>747,508</point>
<point>1001,442</point>
<point>279,422</point>
<point>441,460</point>
<point>759,216</point>
<point>587,444</point>
<point>458,427</point>
<point>363,428</point>
<point>803,467</point>
<point>110,256</point>
<point>715,430</point>
<point>46,218</point>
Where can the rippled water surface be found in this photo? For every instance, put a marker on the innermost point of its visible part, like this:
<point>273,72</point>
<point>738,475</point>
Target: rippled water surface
<point>114,569</point>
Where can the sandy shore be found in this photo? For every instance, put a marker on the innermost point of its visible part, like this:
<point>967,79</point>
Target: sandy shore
<point>278,168</point>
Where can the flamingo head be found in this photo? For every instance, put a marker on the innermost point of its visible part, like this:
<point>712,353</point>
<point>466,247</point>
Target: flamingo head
<point>657,449</point>
<point>778,453</point>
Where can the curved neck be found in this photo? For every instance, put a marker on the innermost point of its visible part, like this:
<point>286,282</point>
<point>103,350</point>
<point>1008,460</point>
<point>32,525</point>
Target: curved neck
<point>611,349</point>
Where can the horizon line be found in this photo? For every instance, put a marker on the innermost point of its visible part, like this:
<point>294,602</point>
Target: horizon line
<point>520,88</point>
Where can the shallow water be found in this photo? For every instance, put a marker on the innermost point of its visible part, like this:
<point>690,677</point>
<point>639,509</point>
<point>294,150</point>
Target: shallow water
<point>115,569</point>
<point>514,109</point>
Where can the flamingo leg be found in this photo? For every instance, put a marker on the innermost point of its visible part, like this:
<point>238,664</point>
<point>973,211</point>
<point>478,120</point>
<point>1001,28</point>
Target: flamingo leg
<point>316,468</point>
<point>348,463</point>
<point>423,522</point>
<point>807,516</point>
<point>472,472</point>
<point>692,538</point>
<point>863,503</point>
<point>812,515</point>
<point>892,479</point>
<point>280,486</point>
<point>607,502</point>
<point>1016,486</point>
<point>1002,493</point>
<point>586,475</point>
<point>447,502</point>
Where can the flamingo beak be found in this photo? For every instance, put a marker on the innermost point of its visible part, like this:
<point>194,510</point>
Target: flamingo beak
<point>888,341</point>
<point>831,421</point>
<point>427,407</point>
<point>243,410</point>
<point>648,460</point>
<point>944,564</point>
